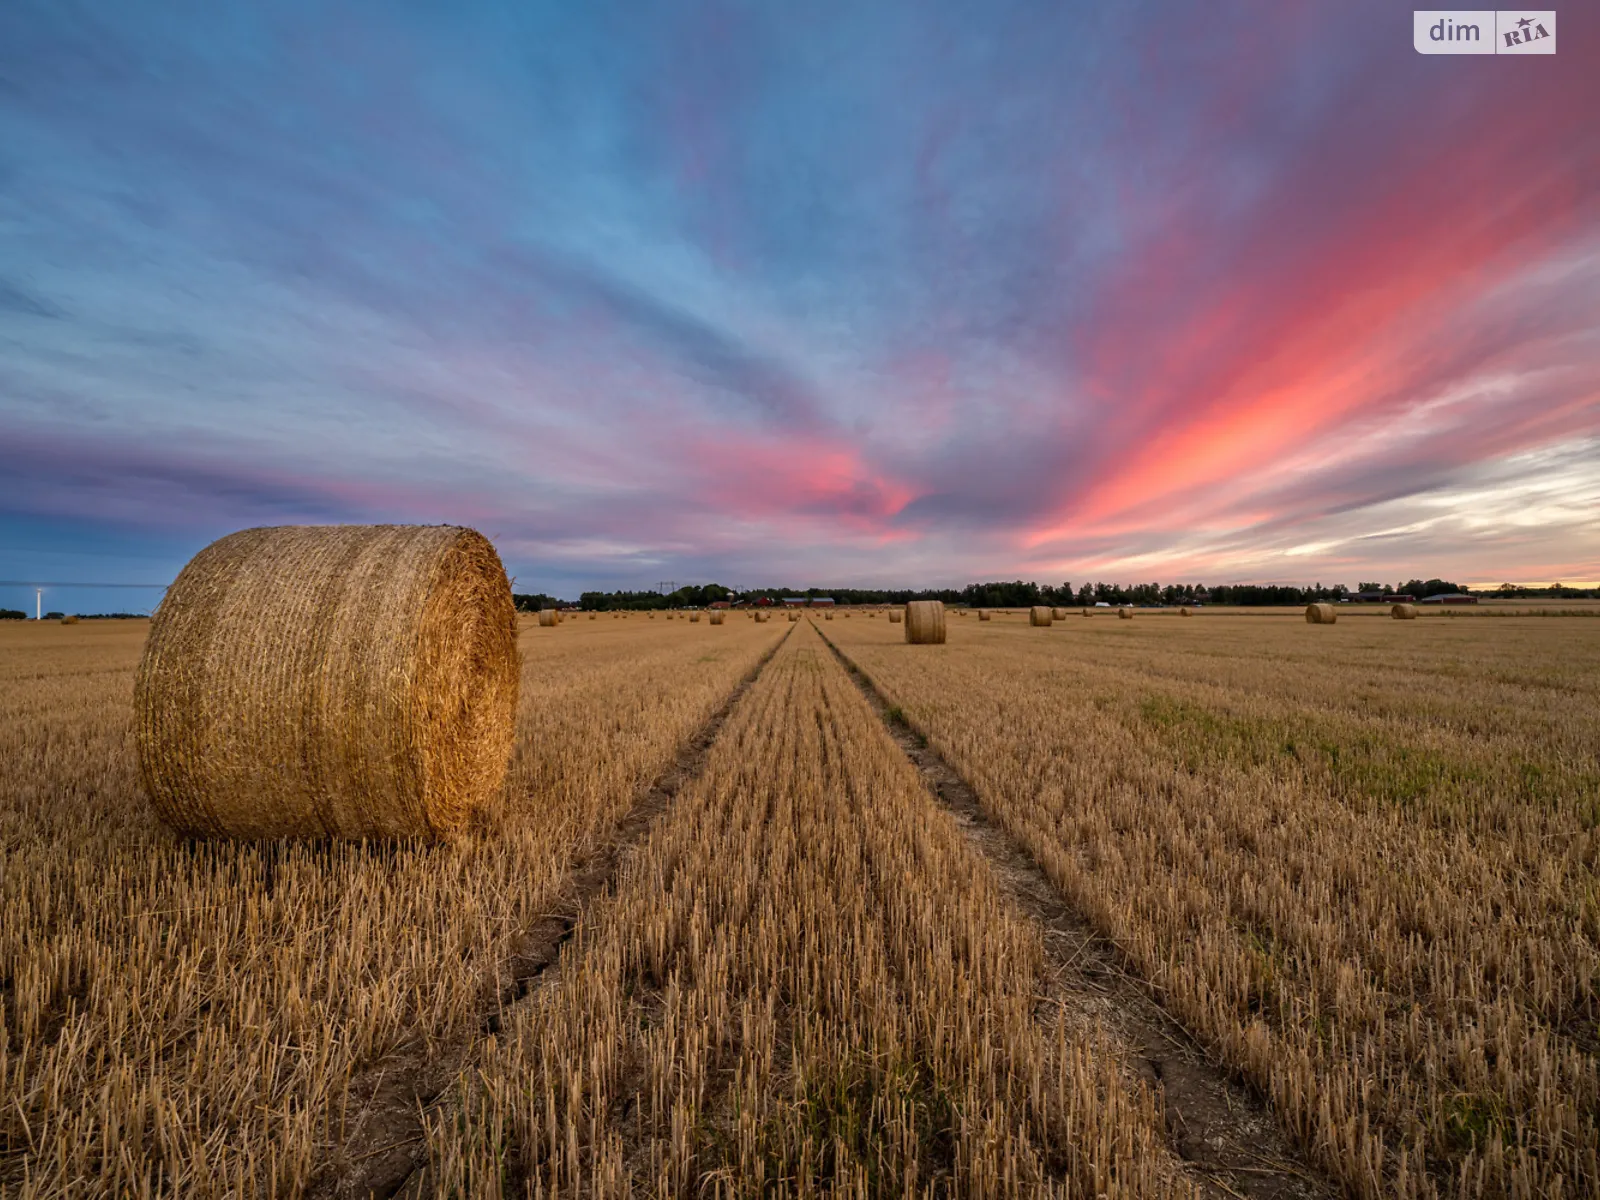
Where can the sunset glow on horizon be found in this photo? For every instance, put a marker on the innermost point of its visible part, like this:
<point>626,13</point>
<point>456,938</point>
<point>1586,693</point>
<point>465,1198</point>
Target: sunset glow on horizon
<point>899,295</point>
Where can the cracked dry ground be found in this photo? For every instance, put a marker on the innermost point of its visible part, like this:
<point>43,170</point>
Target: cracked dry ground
<point>760,914</point>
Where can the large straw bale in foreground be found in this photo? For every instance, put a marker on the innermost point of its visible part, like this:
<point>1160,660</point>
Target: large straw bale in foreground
<point>337,680</point>
<point>925,623</point>
<point>1403,612</point>
<point>1321,614</point>
<point>1039,615</point>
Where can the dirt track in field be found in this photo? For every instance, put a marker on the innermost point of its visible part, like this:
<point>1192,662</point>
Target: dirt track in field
<point>1221,1131</point>
<point>384,1154</point>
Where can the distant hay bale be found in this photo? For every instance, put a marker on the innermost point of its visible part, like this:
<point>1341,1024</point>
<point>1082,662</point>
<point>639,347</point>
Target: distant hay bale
<point>924,621</point>
<point>69,619</point>
<point>983,614</point>
<point>1039,616</point>
<point>1184,612</point>
<point>827,616</point>
<point>1058,614</point>
<point>1087,613</point>
<point>591,616</point>
<point>1321,614</point>
<point>894,618</point>
<point>1403,612</point>
<point>549,617</point>
<point>715,618</point>
<point>794,616</point>
<point>1124,614</point>
<point>652,616</point>
<point>351,681</point>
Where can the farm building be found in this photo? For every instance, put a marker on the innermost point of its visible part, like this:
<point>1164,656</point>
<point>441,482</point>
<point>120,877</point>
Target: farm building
<point>1449,598</point>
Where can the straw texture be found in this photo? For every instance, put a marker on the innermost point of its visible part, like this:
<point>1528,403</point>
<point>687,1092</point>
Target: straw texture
<point>1403,612</point>
<point>1039,615</point>
<point>925,623</point>
<point>1321,614</point>
<point>549,618</point>
<point>330,681</point>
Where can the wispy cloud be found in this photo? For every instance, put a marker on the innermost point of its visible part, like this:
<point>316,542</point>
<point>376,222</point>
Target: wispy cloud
<point>845,293</point>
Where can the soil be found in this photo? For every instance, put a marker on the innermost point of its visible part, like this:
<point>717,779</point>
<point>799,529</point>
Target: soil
<point>383,1152</point>
<point>1223,1135</point>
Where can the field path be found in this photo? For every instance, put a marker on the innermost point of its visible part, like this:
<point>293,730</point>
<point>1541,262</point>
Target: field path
<point>1221,1131</point>
<point>385,1154</point>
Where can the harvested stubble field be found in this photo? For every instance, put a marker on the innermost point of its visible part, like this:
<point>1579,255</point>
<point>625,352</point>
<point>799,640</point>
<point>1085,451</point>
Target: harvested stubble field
<point>901,931</point>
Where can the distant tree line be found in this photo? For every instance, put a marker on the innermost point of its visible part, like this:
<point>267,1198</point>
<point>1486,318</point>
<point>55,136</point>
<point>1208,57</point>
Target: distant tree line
<point>1023,594</point>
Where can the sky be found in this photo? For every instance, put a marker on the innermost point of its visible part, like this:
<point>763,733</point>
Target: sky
<point>906,294</point>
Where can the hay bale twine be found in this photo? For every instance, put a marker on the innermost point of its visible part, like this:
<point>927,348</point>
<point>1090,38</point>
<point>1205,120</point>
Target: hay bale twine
<point>894,618</point>
<point>330,681</point>
<point>715,618</point>
<point>983,615</point>
<point>1039,616</point>
<point>1124,614</point>
<point>549,618</point>
<point>1403,612</point>
<point>924,621</point>
<point>1321,614</point>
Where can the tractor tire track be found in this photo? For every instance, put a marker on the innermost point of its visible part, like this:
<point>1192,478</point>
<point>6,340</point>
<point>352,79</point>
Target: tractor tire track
<point>385,1154</point>
<point>1222,1133</point>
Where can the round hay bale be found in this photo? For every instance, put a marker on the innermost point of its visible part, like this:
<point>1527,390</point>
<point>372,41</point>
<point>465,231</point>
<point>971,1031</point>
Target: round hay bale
<point>1403,612</point>
<point>591,616</point>
<point>924,621</point>
<point>983,615</point>
<point>1039,616</point>
<point>1184,612</point>
<point>1087,613</point>
<point>827,616</point>
<point>1321,614</point>
<point>652,616</point>
<point>1058,614</point>
<point>894,618</point>
<point>549,618</point>
<point>694,618</point>
<point>69,619</point>
<point>1124,614</point>
<point>715,618</point>
<point>330,681</point>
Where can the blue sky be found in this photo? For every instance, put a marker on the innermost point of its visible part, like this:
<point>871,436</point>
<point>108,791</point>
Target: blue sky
<point>836,293</point>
